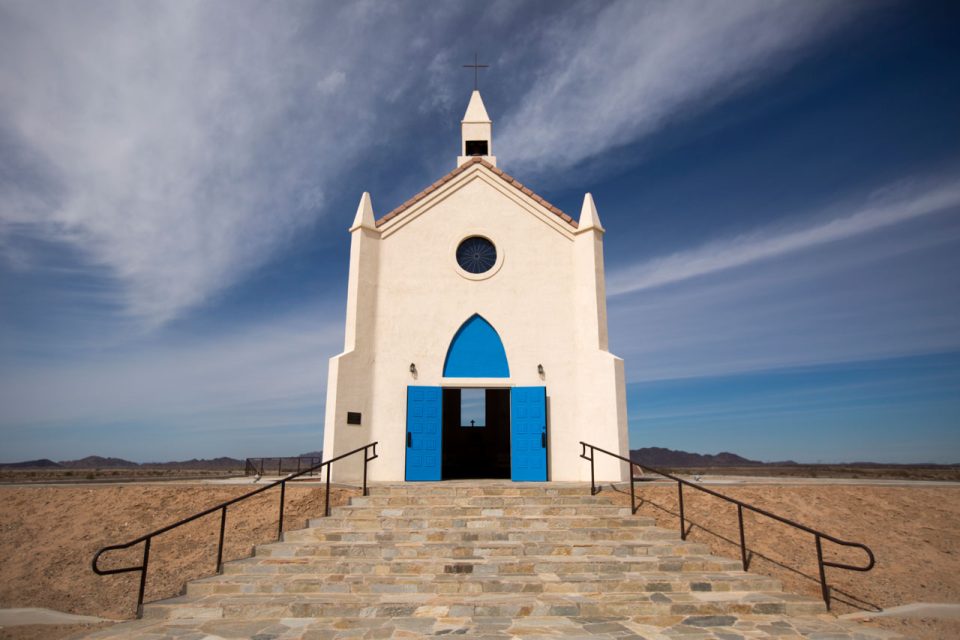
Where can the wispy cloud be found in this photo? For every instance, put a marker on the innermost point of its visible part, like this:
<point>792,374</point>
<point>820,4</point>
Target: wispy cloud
<point>887,207</point>
<point>632,67</point>
<point>181,145</point>
<point>886,294</point>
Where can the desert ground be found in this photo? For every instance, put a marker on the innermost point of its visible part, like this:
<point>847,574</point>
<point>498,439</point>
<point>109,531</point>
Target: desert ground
<point>48,535</point>
<point>914,531</point>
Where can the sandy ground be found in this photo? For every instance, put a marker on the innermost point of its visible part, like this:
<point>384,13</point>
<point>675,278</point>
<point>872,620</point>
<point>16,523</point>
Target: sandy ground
<point>48,536</point>
<point>913,531</point>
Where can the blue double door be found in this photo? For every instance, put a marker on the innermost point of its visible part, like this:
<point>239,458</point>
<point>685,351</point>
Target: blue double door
<point>528,433</point>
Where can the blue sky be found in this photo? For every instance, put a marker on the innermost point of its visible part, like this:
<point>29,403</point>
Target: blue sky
<point>778,181</point>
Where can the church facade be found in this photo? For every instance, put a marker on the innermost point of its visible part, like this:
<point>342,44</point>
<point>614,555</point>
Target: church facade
<point>476,334</point>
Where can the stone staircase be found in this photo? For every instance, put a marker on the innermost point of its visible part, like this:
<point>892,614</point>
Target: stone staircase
<point>484,559</point>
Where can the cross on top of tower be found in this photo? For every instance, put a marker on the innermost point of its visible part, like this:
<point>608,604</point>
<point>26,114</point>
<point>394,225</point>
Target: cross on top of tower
<point>476,68</point>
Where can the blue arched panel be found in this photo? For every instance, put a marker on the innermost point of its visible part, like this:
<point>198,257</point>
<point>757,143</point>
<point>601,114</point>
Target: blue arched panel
<point>476,352</point>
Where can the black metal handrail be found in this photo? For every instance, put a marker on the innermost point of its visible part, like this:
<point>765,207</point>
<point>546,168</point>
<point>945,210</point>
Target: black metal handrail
<point>818,535</point>
<point>222,508</point>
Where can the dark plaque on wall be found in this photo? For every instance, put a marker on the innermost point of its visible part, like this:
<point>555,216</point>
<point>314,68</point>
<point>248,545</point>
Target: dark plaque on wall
<point>353,417</point>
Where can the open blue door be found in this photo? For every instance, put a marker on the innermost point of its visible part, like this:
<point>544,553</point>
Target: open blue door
<point>528,433</point>
<point>424,433</point>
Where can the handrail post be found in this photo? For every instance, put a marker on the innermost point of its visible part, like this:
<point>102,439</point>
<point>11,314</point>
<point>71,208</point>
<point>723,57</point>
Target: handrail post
<point>283,491</point>
<point>143,577</point>
<point>824,589</point>
<point>683,526</point>
<point>279,466</point>
<point>365,460</point>
<point>593,484</point>
<point>223,525</point>
<point>326,501</point>
<point>743,541</point>
<point>633,493</point>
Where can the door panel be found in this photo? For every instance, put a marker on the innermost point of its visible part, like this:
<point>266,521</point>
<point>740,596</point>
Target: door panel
<point>528,433</point>
<point>424,433</point>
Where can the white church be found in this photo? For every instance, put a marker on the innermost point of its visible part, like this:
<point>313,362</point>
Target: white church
<point>476,334</point>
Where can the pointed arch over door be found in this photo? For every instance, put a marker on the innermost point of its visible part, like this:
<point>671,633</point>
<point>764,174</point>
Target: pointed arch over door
<point>476,352</point>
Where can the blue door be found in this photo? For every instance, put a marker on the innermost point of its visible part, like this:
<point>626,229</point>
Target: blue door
<point>424,433</point>
<point>528,433</point>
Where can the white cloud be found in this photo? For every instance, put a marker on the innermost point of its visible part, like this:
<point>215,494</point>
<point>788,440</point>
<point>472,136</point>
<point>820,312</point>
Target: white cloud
<point>625,71</point>
<point>887,207</point>
<point>181,145</point>
<point>889,293</point>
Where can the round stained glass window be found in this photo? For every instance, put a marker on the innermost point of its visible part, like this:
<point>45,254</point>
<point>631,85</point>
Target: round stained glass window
<point>476,255</point>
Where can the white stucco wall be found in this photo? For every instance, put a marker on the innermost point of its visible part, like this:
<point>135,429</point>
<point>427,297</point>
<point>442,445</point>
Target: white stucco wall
<point>407,298</point>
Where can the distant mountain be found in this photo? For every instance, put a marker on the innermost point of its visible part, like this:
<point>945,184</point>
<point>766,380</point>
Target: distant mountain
<point>213,464</point>
<point>660,457</point>
<point>98,462</point>
<point>43,463</point>
<point>312,454</point>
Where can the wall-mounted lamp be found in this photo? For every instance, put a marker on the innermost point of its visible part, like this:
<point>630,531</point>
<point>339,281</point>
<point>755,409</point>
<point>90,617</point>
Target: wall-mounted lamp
<point>540,369</point>
<point>413,368</point>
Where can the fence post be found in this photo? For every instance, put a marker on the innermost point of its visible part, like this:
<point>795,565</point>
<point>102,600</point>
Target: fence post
<point>283,490</point>
<point>593,484</point>
<point>223,525</point>
<point>143,577</point>
<point>824,589</point>
<point>743,541</point>
<point>683,526</point>
<point>326,502</point>
<point>365,460</point>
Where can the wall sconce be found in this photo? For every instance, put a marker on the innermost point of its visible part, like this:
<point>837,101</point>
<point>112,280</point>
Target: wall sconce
<point>413,368</point>
<point>540,369</point>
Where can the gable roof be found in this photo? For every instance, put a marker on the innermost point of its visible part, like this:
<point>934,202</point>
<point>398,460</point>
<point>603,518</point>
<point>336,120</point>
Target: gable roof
<point>466,165</point>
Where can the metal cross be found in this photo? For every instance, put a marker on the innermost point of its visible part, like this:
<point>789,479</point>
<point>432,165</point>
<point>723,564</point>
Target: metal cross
<point>476,68</point>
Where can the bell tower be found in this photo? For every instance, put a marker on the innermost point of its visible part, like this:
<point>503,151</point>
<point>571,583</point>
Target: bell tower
<point>476,132</point>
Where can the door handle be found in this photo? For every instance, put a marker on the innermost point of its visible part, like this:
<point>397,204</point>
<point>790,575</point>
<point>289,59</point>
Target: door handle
<point>409,439</point>
<point>543,439</point>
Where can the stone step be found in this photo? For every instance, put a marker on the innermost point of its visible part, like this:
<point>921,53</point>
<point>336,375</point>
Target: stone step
<point>582,583</point>
<point>320,566</point>
<point>483,559</point>
<point>461,511</point>
<point>243,606</point>
<point>475,501</point>
<point>473,535</point>
<point>458,549</point>
<point>480,522</point>
<point>533,489</point>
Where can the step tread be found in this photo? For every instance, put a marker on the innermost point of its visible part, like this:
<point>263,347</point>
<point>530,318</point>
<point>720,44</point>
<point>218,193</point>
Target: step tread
<point>433,559</point>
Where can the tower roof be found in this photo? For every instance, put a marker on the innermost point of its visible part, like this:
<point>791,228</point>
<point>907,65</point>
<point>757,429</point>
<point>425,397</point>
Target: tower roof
<point>476,111</point>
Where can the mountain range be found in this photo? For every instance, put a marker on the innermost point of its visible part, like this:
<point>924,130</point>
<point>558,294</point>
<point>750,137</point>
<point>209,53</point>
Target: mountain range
<point>650,456</point>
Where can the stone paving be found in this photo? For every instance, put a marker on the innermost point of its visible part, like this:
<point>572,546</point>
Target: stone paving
<point>485,560</point>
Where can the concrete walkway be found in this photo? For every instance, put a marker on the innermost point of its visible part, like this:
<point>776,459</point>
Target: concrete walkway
<point>912,610</point>
<point>38,615</point>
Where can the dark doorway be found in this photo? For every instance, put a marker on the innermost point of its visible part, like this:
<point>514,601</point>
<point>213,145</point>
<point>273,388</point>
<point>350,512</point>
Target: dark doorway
<point>476,433</point>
